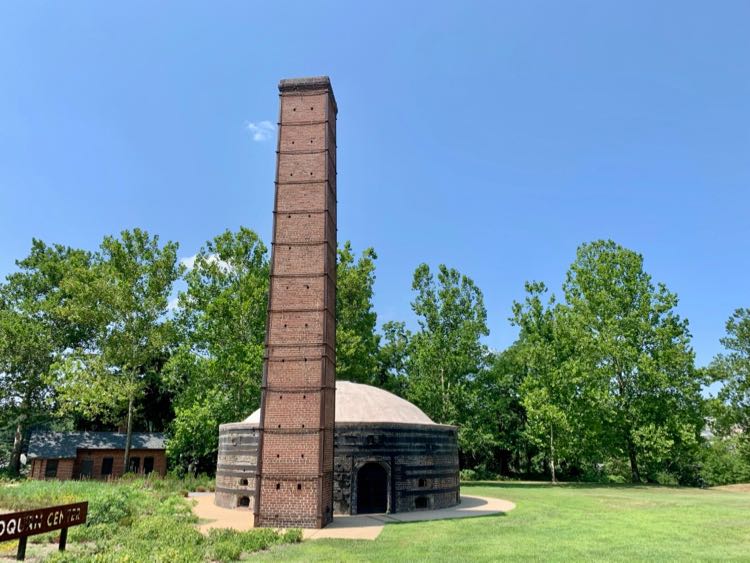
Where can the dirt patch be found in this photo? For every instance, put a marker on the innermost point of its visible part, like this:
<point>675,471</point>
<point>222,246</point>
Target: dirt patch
<point>738,488</point>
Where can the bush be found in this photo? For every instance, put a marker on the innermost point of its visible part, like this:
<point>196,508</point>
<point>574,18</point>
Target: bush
<point>173,482</point>
<point>479,473</point>
<point>667,479</point>
<point>725,461</point>
<point>136,520</point>
<point>229,545</point>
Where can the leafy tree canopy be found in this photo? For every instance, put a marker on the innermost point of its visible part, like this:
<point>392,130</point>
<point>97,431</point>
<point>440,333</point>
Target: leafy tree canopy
<point>357,341</point>
<point>221,317</point>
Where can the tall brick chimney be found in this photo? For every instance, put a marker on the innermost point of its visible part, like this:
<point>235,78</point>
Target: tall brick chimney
<point>295,459</point>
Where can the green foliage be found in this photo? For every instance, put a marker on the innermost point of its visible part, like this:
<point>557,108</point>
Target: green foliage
<point>32,332</point>
<point>137,520</point>
<point>480,473</point>
<point>548,388</point>
<point>393,358</point>
<point>215,373</point>
<point>633,357</point>
<point>725,460</point>
<point>123,293</point>
<point>356,339</point>
<point>599,386</point>
<point>608,374</point>
<point>733,369</point>
<point>229,545</point>
<point>446,354</point>
<point>195,428</point>
<point>499,411</point>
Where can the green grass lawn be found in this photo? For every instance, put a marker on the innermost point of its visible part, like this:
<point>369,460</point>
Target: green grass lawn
<point>151,521</point>
<point>566,522</point>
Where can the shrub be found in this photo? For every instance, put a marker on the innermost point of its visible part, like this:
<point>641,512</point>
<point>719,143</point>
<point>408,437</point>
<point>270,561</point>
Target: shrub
<point>479,473</point>
<point>229,545</point>
<point>667,479</point>
<point>725,461</point>
<point>292,536</point>
<point>114,503</point>
<point>136,520</point>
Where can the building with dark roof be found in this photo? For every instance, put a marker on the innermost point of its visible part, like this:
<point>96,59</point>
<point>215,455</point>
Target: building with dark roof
<point>389,456</point>
<point>94,455</point>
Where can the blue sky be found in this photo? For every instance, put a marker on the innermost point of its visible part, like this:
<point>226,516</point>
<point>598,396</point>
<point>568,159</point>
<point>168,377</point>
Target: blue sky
<point>494,137</point>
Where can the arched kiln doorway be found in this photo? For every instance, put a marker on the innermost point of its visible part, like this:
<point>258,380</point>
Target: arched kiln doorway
<point>372,489</point>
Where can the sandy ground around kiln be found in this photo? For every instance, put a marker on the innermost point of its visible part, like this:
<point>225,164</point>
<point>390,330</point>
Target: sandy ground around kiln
<point>359,527</point>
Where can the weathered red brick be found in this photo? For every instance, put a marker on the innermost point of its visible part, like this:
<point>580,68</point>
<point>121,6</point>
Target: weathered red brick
<point>295,460</point>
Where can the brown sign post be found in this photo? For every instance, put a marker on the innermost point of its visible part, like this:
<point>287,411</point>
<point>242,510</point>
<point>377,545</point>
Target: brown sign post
<point>21,525</point>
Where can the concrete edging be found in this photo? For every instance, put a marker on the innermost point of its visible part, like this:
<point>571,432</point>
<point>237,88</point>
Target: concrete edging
<point>357,527</point>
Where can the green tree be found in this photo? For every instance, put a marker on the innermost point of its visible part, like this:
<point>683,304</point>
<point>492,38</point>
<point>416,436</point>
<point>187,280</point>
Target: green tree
<point>33,334</point>
<point>633,356</point>
<point>548,388</point>
<point>356,339</point>
<point>26,352</point>
<point>216,372</point>
<point>733,368</point>
<point>393,357</point>
<point>123,293</point>
<point>447,353</point>
<point>500,386</point>
<point>730,450</point>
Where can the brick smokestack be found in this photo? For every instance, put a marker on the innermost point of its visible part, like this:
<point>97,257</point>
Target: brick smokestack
<point>295,459</point>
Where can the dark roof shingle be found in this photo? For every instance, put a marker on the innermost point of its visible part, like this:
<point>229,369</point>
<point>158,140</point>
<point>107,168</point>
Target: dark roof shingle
<point>50,445</point>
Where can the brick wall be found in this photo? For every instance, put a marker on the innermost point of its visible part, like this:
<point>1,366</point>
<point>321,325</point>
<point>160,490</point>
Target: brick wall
<point>421,460</point>
<point>118,459</point>
<point>39,468</point>
<point>236,465</point>
<point>71,468</point>
<point>295,460</point>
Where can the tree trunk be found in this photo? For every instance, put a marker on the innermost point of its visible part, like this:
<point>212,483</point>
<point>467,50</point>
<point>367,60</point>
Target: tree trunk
<point>442,391</point>
<point>552,454</point>
<point>129,434</point>
<point>636,475</point>
<point>15,457</point>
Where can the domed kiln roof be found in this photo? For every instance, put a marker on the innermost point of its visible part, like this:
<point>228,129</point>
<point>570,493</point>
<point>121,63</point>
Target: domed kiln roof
<point>356,402</point>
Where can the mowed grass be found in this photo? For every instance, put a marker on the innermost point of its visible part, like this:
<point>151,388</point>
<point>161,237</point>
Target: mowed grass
<point>562,523</point>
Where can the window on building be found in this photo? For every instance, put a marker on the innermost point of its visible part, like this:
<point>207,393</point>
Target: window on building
<point>50,469</point>
<point>135,465</point>
<point>107,466</point>
<point>148,465</point>
<point>421,502</point>
<point>422,483</point>
<point>87,468</point>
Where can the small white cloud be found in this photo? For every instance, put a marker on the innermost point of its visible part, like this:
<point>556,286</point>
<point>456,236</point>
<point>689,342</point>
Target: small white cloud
<point>189,262</point>
<point>261,131</point>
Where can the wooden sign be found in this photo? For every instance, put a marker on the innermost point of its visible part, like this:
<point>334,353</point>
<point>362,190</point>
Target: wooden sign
<point>21,525</point>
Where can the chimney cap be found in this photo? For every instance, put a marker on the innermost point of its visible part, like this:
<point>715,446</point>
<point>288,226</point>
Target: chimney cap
<point>308,84</point>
